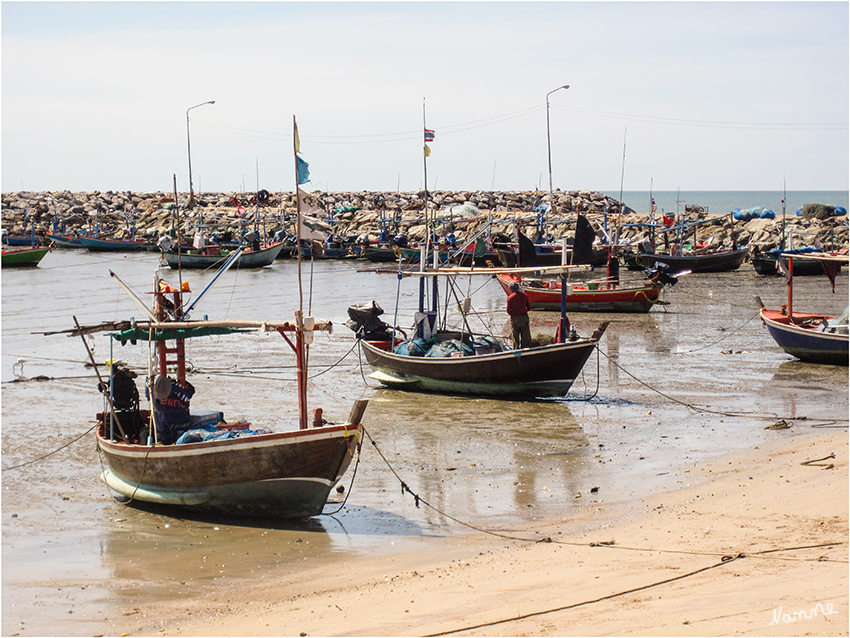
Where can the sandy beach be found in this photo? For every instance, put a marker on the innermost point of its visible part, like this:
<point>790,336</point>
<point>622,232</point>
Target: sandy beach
<point>754,544</point>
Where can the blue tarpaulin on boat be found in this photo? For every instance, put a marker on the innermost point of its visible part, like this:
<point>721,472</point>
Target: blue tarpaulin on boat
<point>448,348</point>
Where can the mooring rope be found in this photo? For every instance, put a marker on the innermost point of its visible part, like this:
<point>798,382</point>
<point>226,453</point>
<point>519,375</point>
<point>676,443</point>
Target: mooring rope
<point>723,338</point>
<point>405,489</point>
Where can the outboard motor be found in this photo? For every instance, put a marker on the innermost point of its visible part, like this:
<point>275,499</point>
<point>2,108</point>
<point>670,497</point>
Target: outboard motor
<point>365,323</point>
<point>400,240</point>
<point>660,274</point>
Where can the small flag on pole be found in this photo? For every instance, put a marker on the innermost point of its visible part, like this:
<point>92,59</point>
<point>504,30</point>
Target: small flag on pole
<point>429,135</point>
<point>303,171</point>
<point>427,151</point>
<point>297,140</point>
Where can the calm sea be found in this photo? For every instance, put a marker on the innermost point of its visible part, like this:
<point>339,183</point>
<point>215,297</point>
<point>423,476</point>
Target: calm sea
<point>723,202</point>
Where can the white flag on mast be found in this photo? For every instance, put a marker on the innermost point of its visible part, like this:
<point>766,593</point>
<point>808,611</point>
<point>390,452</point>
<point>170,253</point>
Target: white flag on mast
<point>310,226</point>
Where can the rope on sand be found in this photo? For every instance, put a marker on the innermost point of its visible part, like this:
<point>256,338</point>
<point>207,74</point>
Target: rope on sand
<point>723,561</point>
<point>724,337</point>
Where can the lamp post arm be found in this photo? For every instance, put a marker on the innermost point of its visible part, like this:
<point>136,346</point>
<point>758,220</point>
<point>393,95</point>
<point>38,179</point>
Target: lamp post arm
<point>549,146</point>
<point>189,143</point>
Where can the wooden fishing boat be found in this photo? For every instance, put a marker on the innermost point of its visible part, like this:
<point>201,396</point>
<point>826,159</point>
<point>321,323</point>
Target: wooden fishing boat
<point>546,295</point>
<point>246,258</point>
<point>99,244</point>
<point>544,371</point>
<point>547,255</point>
<point>281,475</point>
<point>483,365</point>
<point>213,466</point>
<point>765,263</point>
<point>720,261</point>
<point>461,257</point>
<point>221,468</point>
<point>811,337</point>
<point>30,240</point>
<point>29,257</point>
<point>64,241</point>
<point>380,253</point>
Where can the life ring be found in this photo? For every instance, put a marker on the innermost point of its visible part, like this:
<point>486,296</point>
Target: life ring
<point>262,195</point>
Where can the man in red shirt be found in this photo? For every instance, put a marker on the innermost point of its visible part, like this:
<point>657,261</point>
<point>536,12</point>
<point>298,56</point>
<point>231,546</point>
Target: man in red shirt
<point>518,307</point>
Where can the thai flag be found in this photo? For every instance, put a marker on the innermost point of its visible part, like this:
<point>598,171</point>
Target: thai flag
<point>429,135</point>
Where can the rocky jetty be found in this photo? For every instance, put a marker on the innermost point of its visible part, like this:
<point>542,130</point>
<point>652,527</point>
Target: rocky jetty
<point>359,213</point>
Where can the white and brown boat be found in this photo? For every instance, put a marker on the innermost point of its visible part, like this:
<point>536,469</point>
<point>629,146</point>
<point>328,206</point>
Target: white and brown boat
<point>221,468</point>
<point>286,474</point>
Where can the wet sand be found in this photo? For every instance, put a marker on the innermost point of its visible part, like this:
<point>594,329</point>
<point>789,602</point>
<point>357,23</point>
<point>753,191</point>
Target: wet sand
<point>647,420</point>
<point>755,545</point>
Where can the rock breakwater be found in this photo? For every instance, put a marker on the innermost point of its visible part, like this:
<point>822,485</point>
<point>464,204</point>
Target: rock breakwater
<point>367,213</point>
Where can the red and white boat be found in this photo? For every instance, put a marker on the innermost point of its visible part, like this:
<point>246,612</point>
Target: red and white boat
<point>545,294</point>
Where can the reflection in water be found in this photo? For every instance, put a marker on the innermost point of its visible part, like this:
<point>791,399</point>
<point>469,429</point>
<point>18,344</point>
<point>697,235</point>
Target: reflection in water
<point>166,550</point>
<point>807,389</point>
<point>480,459</point>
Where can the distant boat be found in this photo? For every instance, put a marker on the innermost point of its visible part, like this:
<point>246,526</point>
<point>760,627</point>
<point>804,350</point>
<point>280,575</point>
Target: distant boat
<point>380,253</point>
<point>546,295</point>
<point>247,259</point>
<point>811,337</point>
<point>24,257</point>
<point>547,255</point>
<point>23,240</point>
<point>765,263</point>
<point>64,241</point>
<point>94,244</point>
<point>721,261</point>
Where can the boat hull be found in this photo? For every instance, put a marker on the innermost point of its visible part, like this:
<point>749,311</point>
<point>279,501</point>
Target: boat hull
<point>259,259</point>
<point>27,257</point>
<point>282,475</point>
<point>63,241</point>
<point>545,371</point>
<point>801,340</point>
<point>508,257</point>
<point>96,245</point>
<point>766,265</point>
<point>712,262</point>
<point>630,300</point>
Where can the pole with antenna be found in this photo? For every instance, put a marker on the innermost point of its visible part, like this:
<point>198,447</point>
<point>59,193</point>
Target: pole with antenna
<point>300,353</point>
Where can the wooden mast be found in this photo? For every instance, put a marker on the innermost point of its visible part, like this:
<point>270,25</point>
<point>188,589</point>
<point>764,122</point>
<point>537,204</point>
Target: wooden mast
<point>300,353</point>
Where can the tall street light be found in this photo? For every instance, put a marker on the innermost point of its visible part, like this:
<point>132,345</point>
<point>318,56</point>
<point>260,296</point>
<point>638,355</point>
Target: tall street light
<point>548,144</point>
<point>189,146</point>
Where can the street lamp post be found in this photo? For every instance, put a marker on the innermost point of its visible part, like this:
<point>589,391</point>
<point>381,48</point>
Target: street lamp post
<point>548,145</point>
<point>189,145</point>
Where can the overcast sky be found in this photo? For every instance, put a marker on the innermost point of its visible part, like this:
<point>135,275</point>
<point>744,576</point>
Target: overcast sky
<point>704,96</point>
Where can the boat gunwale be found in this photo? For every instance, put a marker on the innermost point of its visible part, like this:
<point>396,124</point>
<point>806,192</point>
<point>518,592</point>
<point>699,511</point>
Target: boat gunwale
<point>117,448</point>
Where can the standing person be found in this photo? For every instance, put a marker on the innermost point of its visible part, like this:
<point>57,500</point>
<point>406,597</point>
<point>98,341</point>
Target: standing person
<point>518,307</point>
